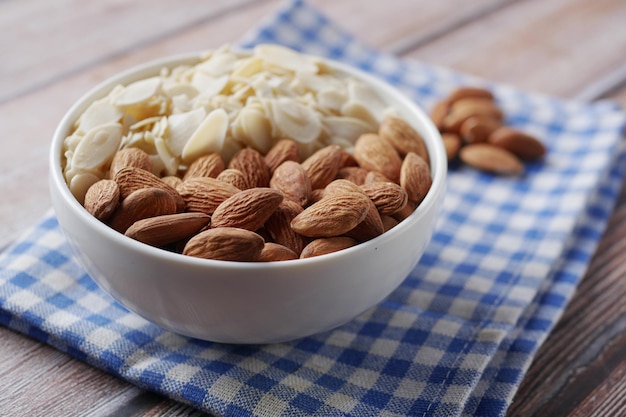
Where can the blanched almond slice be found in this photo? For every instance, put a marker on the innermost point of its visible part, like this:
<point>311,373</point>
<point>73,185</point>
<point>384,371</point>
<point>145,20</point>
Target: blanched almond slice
<point>349,128</point>
<point>207,85</point>
<point>220,63</point>
<point>80,183</point>
<point>208,137</point>
<point>97,148</point>
<point>363,95</point>
<point>138,92</point>
<point>181,127</point>
<point>100,112</point>
<point>295,120</point>
<point>170,162</point>
<point>285,58</point>
<point>255,129</point>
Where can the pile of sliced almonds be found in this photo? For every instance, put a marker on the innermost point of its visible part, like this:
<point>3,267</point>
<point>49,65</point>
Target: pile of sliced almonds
<point>226,102</point>
<point>473,130</point>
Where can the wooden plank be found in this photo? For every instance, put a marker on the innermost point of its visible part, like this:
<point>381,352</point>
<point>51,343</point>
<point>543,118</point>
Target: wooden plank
<point>60,385</point>
<point>78,34</point>
<point>590,339</point>
<point>608,398</point>
<point>554,47</point>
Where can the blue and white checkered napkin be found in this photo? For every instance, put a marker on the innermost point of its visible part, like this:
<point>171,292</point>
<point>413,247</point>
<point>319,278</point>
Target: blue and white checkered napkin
<point>454,339</point>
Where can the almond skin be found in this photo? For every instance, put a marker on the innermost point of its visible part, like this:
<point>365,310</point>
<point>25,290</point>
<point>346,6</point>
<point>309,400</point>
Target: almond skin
<point>353,174</point>
<point>332,216</point>
<point>370,227</point>
<point>326,245</point>
<point>415,177</point>
<point>291,179</point>
<point>273,252</point>
<point>342,186</point>
<point>235,178</point>
<point>131,179</point>
<point>130,157</point>
<point>279,226</point>
<point>322,167</point>
<point>204,194</point>
<point>465,108</point>
<point>252,164</point>
<point>403,137</point>
<point>492,159</point>
<point>141,204</point>
<point>376,154</point>
<point>468,91</point>
<point>102,198</point>
<point>283,150</point>
<point>248,209</point>
<point>225,244</point>
<point>209,165</point>
<point>452,142</point>
<point>519,143</point>
<point>160,231</point>
<point>388,197</point>
<point>477,129</point>
<point>439,112</point>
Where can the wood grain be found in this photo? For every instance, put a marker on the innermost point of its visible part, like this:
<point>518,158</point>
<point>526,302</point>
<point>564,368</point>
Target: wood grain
<point>52,52</point>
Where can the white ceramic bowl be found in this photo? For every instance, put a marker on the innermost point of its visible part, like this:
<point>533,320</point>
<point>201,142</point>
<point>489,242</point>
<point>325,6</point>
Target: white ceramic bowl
<point>236,302</point>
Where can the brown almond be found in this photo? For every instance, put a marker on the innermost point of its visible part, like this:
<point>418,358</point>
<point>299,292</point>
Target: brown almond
<point>415,177</point>
<point>370,227</point>
<point>274,252</point>
<point>279,226</point>
<point>388,197</point>
<point>333,215</point>
<point>470,92</point>
<point>252,164</point>
<point>465,108</point>
<point>519,143</point>
<point>476,129</point>
<point>341,186</point>
<point>131,179</point>
<point>323,246</point>
<point>323,165</point>
<point>248,209</point>
<point>388,222</point>
<point>225,244</point>
<point>235,178</point>
<point>209,165</point>
<point>375,154</point>
<point>283,150</point>
<point>375,176</point>
<point>439,112</point>
<point>452,143</point>
<point>102,198</point>
<point>172,180</point>
<point>403,137</point>
<point>316,195</point>
<point>160,231</point>
<point>490,158</point>
<point>130,157</point>
<point>141,204</point>
<point>291,179</point>
<point>406,211</point>
<point>353,174</point>
<point>347,160</point>
<point>205,194</point>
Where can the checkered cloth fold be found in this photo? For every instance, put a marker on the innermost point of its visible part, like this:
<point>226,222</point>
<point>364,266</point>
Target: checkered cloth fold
<point>455,339</point>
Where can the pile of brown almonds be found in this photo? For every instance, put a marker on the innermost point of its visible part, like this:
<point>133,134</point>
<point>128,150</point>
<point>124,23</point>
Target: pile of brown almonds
<point>472,128</point>
<point>270,207</point>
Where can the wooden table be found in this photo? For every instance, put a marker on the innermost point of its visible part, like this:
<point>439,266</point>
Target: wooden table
<point>51,52</point>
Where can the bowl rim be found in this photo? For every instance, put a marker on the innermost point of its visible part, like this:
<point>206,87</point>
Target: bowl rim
<point>435,149</point>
